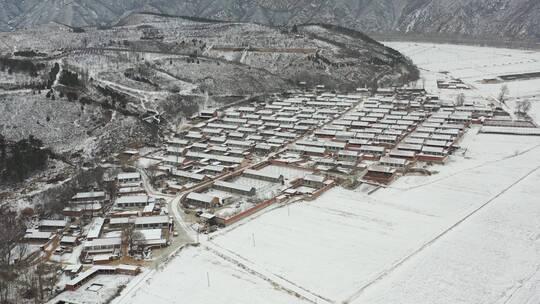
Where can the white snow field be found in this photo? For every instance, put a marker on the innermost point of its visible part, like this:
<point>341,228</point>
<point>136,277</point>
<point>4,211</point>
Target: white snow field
<point>472,64</point>
<point>493,257</point>
<point>199,276</point>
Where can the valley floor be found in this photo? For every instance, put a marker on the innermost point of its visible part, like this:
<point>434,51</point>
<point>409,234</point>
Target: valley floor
<point>473,64</point>
<point>468,234</point>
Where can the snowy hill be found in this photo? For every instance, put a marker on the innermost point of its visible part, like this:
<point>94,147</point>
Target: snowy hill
<point>500,18</point>
<point>89,92</point>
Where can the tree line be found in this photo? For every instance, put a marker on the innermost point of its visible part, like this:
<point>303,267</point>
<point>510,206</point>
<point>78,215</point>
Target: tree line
<point>20,159</point>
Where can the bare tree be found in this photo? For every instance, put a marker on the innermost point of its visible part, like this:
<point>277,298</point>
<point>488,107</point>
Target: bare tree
<point>12,230</point>
<point>46,276</point>
<point>460,100</point>
<point>153,174</point>
<point>131,236</point>
<point>523,107</point>
<point>21,250</point>
<point>11,233</point>
<point>503,94</point>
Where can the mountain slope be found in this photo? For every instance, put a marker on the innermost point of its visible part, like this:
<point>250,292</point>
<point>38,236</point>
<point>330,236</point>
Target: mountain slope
<point>494,18</point>
<point>509,18</point>
<point>152,63</point>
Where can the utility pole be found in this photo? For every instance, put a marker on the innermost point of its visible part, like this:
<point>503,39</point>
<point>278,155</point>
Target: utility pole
<point>253,238</point>
<point>208,278</point>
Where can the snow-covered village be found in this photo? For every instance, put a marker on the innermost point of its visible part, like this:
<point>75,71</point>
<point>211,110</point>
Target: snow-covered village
<point>168,159</point>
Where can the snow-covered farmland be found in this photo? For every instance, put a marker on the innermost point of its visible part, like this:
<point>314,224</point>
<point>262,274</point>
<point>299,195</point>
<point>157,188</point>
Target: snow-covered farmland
<point>197,275</point>
<point>473,64</point>
<point>331,245</point>
<point>491,258</point>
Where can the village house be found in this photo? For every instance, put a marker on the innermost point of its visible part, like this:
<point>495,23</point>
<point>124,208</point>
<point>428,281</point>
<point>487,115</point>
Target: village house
<point>208,114</point>
<point>416,148</point>
<point>89,274</point>
<point>350,156</point>
<point>52,225</point>
<point>95,228</point>
<point>380,174</point>
<point>134,201</point>
<point>130,191</point>
<point>313,181</point>
<point>201,200</point>
<point>433,154</point>
<point>409,155</point>
<point>176,151</point>
<point>130,177</point>
<point>213,170</point>
<point>175,161</point>
<point>264,149</point>
<point>194,136</point>
<point>149,238</point>
<point>118,223</point>
<point>269,177</point>
<point>37,237</point>
<point>355,144</point>
<point>198,146</point>
<point>401,164</point>
<point>189,177</point>
<point>153,222</point>
<point>102,246</point>
<point>239,144</point>
<point>234,188</point>
<point>82,209</point>
<point>177,143</point>
<point>85,197</point>
<point>67,240</point>
<point>307,150</point>
<point>372,152</point>
<point>224,160</point>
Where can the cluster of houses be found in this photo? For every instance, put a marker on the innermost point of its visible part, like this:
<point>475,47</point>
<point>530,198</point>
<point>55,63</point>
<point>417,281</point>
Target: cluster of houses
<point>209,160</point>
<point>224,141</point>
<point>381,136</point>
<point>386,135</point>
<point>100,225</point>
<point>133,224</point>
<point>374,138</point>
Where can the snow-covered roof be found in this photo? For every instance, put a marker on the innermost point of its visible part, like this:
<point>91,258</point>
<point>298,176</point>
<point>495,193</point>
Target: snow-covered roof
<point>200,197</point>
<point>234,186</point>
<point>129,175</point>
<point>314,178</point>
<point>53,223</point>
<point>158,219</point>
<point>94,230</point>
<point>103,242</point>
<point>89,195</point>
